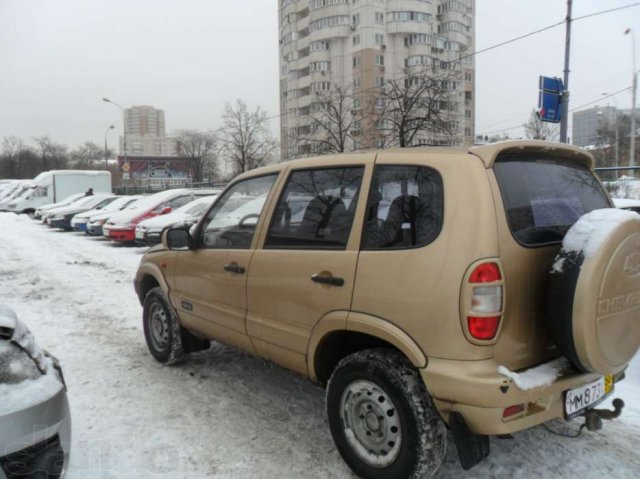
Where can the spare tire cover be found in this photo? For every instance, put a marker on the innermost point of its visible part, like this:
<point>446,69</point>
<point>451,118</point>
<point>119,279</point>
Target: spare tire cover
<point>593,302</point>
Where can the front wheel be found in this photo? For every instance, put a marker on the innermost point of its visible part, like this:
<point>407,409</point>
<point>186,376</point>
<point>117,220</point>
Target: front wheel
<point>162,330</point>
<point>382,420</point>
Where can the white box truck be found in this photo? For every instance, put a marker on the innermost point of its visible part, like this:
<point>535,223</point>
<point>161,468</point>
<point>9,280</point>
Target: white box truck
<point>56,185</point>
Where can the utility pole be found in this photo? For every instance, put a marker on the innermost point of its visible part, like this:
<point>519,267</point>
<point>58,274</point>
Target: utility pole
<point>634,88</point>
<point>565,97</point>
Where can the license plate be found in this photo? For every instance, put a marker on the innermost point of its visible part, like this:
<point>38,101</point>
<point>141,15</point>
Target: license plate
<point>579,399</point>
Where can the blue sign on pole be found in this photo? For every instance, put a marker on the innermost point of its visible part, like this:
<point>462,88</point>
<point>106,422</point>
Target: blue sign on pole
<point>550,99</point>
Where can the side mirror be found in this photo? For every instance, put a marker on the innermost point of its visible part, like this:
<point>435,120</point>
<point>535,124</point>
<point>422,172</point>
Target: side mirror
<point>177,239</point>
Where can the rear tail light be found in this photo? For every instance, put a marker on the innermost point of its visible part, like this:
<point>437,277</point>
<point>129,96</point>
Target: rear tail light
<point>512,410</point>
<point>483,319</point>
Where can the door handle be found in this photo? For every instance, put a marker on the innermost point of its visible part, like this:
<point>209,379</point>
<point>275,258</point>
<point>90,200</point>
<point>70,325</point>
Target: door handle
<point>233,268</point>
<point>327,280</point>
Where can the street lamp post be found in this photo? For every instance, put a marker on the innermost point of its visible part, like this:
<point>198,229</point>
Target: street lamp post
<point>124,126</point>
<point>615,121</point>
<point>106,151</point>
<point>634,88</point>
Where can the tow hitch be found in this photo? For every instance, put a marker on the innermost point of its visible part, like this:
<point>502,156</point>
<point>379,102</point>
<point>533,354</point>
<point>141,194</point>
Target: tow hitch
<point>593,418</point>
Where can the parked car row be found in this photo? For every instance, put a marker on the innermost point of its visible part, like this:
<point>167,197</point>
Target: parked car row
<point>127,219</point>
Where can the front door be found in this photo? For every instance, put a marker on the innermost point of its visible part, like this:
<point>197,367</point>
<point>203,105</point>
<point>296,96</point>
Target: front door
<point>307,265</point>
<point>210,281</point>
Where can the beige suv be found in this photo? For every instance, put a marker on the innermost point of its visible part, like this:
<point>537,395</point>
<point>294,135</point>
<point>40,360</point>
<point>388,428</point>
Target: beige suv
<point>426,288</point>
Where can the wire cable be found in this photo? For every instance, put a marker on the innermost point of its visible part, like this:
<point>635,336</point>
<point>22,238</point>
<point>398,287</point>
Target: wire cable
<point>506,42</point>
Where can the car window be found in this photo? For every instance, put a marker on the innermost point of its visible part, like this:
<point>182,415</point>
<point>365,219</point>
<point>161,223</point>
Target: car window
<point>316,209</point>
<point>544,197</point>
<point>405,207</point>
<point>231,223</point>
<point>178,201</point>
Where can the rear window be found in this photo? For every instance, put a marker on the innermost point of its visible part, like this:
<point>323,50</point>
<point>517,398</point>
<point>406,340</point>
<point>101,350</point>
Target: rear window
<point>543,197</point>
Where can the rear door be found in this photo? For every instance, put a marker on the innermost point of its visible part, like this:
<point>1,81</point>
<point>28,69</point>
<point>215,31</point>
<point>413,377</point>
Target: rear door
<point>306,267</point>
<point>538,198</point>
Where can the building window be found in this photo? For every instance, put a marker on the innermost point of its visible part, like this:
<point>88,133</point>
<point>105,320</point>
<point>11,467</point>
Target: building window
<point>319,45</point>
<point>356,103</point>
<point>327,22</point>
<point>410,17</point>
<point>320,66</point>
<point>379,81</point>
<point>355,19</point>
<point>380,60</point>
<point>356,40</point>
<point>379,39</point>
<point>379,17</point>
<point>379,103</point>
<point>356,82</point>
<point>356,61</point>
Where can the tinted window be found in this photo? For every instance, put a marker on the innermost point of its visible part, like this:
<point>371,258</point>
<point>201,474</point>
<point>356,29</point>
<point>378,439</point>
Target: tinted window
<point>232,221</point>
<point>405,207</point>
<point>316,209</point>
<point>543,197</point>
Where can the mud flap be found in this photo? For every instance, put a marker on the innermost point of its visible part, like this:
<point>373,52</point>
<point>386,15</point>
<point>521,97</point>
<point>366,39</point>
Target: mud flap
<point>472,449</point>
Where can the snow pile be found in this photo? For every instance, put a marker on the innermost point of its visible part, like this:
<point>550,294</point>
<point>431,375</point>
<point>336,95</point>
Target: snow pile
<point>590,232</point>
<point>539,376</point>
<point>626,187</point>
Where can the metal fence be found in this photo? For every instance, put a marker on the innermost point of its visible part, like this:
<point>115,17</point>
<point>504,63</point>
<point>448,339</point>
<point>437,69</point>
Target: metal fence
<point>160,187</point>
<point>621,182</point>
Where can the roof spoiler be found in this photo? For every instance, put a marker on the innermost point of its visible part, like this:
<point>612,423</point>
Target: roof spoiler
<point>489,153</point>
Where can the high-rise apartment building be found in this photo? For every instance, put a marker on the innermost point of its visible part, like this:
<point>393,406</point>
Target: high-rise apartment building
<point>145,130</point>
<point>144,120</point>
<point>588,125</point>
<point>362,45</point>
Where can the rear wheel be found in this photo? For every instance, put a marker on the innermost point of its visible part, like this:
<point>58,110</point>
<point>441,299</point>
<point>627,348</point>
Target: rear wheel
<point>382,420</point>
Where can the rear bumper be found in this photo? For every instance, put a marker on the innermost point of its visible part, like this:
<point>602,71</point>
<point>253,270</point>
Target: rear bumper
<point>122,235</point>
<point>64,224</point>
<point>480,394</point>
<point>79,226</point>
<point>95,230</point>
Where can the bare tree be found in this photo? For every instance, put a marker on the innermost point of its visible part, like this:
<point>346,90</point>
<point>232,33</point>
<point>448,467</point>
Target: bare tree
<point>420,108</point>
<point>332,122</point>
<point>536,129</point>
<point>246,140</point>
<point>52,155</point>
<point>84,155</point>
<point>202,150</point>
<point>11,148</point>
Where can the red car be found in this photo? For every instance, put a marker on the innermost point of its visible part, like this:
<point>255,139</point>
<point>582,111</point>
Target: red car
<point>122,225</point>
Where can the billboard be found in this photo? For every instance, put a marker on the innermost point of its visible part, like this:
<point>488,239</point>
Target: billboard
<point>155,167</point>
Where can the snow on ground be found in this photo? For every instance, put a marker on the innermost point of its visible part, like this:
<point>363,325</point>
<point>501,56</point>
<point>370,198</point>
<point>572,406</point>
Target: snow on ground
<point>224,413</point>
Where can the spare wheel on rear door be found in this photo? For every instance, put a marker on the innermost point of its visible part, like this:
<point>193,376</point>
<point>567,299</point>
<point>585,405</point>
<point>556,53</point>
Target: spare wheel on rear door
<point>593,301</point>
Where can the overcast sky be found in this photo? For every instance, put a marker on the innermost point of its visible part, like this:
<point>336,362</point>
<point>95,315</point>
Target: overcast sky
<point>58,58</point>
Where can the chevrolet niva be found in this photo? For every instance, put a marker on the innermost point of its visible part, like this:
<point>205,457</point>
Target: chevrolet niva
<point>485,290</point>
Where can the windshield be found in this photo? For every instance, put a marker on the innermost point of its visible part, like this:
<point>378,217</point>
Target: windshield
<point>148,203</point>
<point>544,197</point>
<point>196,207</point>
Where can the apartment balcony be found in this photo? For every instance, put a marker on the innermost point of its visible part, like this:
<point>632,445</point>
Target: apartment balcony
<point>330,32</point>
<point>329,11</point>
<point>408,27</point>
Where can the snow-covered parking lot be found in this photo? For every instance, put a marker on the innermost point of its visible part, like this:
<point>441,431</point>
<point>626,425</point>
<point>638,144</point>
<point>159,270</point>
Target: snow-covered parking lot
<point>224,413</point>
